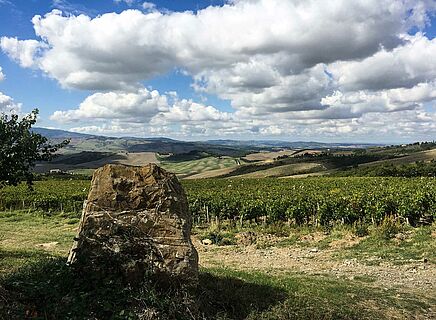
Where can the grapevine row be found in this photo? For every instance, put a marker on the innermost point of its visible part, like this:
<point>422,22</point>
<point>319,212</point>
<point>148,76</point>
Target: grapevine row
<point>319,201</point>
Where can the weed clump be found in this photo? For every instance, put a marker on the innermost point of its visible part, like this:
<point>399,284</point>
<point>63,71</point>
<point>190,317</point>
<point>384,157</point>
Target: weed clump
<point>388,228</point>
<point>361,229</point>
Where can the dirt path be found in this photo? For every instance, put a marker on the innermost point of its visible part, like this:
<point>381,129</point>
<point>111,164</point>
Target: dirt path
<point>416,277</point>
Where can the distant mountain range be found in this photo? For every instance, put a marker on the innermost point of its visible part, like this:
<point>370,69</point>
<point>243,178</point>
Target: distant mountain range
<point>89,142</point>
<point>292,144</point>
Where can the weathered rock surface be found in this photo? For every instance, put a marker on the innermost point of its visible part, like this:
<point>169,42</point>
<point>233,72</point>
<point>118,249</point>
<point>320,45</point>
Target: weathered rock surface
<point>136,221</point>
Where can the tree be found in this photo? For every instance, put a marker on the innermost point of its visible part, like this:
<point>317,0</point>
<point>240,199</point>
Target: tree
<point>20,148</point>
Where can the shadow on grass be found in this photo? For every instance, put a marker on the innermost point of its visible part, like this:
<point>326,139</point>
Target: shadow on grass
<point>22,254</point>
<point>48,289</point>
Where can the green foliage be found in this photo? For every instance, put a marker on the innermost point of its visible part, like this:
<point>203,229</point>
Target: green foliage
<point>394,243</point>
<point>218,237</point>
<point>418,169</point>
<point>388,228</point>
<point>322,202</point>
<point>313,201</point>
<point>48,196</point>
<point>20,148</point>
<point>361,229</point>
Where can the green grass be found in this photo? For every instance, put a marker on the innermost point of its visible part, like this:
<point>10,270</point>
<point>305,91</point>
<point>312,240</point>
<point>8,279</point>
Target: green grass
<point>22,233</point>
<point>48,289</point>
<point>85,172</point>
<point>419,244</point>
<point>37,282</point>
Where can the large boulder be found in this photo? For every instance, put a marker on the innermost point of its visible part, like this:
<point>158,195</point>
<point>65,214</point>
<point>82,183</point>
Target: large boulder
<point>136,222</point>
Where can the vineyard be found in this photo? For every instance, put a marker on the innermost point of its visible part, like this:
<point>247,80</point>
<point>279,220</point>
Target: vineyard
<point>314,201</point>
<point>48,196</point>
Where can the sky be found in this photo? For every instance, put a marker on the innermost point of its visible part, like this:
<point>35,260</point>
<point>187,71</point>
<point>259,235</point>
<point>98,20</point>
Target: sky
<point>311,70</point>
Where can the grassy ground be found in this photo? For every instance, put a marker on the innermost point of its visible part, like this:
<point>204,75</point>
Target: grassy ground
<point>35,282</point>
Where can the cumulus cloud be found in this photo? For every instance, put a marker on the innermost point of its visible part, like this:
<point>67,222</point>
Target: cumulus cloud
<point>354,115</point>
<point>8,105</point>
<point>287,67</point>
<point>25,52</point>
<point>297,92</point>
<point>125,112</point>
<point>189,111</point>
<point>405,66</point>
<point>401,125</point>
<point>139,106</point>
<point>127,47</point>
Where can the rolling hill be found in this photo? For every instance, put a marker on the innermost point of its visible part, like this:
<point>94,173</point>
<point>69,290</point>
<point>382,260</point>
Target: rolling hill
<point>225,158</point>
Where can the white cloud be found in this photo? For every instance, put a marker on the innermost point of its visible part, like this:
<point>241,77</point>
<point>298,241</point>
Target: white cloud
<point>2,75</point>
<point>112,128</point>
<point>131,112</point>
<point>398,126</point>
<point>139,106</point>
<point>355,104</point>
<point>352,115</point>
<point>25,52</point>
<point>189,111</point>
<point>404,66</point>
<point>287,67</point>
<point>148,6</point>
<point>113,50</point>
<point>8,106</point>
<point>297,92</point>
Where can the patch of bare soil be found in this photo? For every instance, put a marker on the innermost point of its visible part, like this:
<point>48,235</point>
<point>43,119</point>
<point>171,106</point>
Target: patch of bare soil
<point>416,277</point>
<point>267,155</point>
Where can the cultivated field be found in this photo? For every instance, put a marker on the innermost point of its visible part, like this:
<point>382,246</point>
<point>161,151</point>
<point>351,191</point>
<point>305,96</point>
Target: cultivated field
<point>194,167</point>
<point>267,155</point>
<point>283,171</point>
<point>312,248</point>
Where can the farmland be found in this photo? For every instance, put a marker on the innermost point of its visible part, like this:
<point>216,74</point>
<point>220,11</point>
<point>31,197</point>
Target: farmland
<point>311,201</point>
<point>200,166</point>
<point>301,248</point>
<point>285,271</point>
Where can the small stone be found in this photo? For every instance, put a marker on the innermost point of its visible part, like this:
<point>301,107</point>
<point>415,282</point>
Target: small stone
<point>206,242</point>
<point>400,236</point>
<point>48,245</point>
<point>314,250</point>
